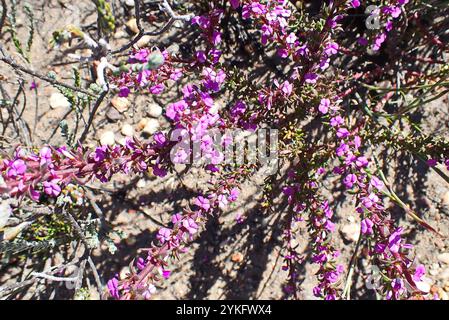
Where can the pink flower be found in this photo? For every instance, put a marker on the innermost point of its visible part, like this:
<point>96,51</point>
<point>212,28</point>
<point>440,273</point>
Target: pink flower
<point>331,48</point>
<point>367,226</point>
<point>287,88</point>
<point>350,180</point>
<point>163,235</point>
<point>113,288</point>
<point>342,133</point>
<point>157,89</point>
<point>394,241</point>
<point>190,225</point>
<point>419,273</point>
<point>45,154</point>
<point>201,56</point>
<point>291,38</point>
<point>324,105</point>
<point>361,162</point>
<point>176,218</point>
<point>336,121</point>
<point>377,183</point>
<point>18,167</point>
<point>51,188</point>
<point>202,203</point>
<point>233,194</point>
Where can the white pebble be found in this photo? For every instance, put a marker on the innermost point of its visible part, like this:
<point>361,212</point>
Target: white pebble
<point>107,138</point>
<point>151,126</point>
<point>58,100</point>
<point>154,110</point>
<point>127,130</point>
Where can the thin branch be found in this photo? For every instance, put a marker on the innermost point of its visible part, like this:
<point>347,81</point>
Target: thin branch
<point>6,59</point>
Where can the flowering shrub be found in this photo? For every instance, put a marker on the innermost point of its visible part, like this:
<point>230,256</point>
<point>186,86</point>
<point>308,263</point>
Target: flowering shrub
<point>323,96</point>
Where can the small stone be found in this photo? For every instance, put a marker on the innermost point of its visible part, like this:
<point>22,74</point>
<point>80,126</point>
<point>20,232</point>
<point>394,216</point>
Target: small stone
<point>132,25</point>
<point>154,110</point>
<point>151,127</point>
<point>444,275</point>
<point>442,294</point>
<point>5,212</point>
<point>107,138</point>
<point>12,232</point>
<point>113,115</point>
<point>124,272</point>
<point>143,42</point>
<point>445,199</point>
<point>58,100</point>
<point>444,257</point>
<point>127,130</point>
<point>120,34</point>
<point>237,257</point>
<point>141,183</point>
<point>446,286</point>
<point>141,124</point>
<point>351,232</point>
<point>121,104</point>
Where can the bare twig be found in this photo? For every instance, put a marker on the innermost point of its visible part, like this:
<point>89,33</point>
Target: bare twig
<point>168,9</point>
<point>6,59</point>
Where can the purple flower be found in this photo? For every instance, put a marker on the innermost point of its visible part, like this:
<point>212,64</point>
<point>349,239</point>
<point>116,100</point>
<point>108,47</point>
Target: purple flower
<point>342,133</point>
<point>235,3</point>
<point>160,139</point>
<point>124,92</point>
<point>113,288</point>
<point>203,203</point>
<point>51,188</point>
<point>317,291</point>
<point>291,38</point>
<point>233,194</point>
<point>18,167</point>
<point>378,41</point>
<point>419,273</point>
<point>176,218</point>
<point>432,162</point>
<point>159,172</point>
<point>201,56</point>
<point>310,77</point>
<point>355,3</point>
<point>362,41</point>
<point>45,154</point>
<point>394,241</point>
<point>324,105</point>
<point>367,226</point>
<point>216,38</point>
<point>157,89</point>
<point>330,226</point>
<point>361,162</point>
<point>350,180</point>
<point>163,235</point>
<point>33,85</point>
<point>331,48</point>
<point>371,200</point>
<point>190,225</point>
<point>166,273</point>
<point>377,183</point>
<point>389,26</point>
<point>337,121</point>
